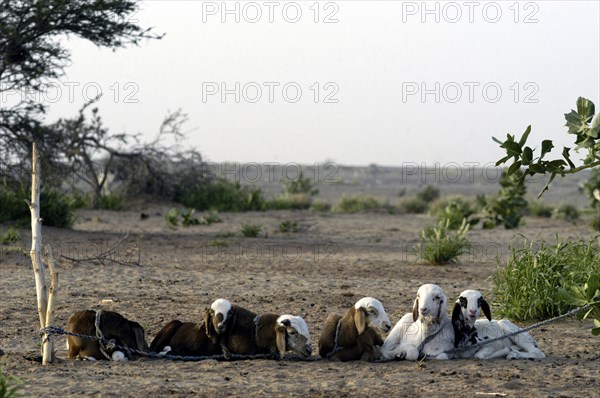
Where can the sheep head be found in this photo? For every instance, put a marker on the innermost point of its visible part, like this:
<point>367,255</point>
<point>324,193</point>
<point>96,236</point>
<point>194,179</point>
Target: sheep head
<point>430,304</point>
<point>293,335</point>
<point>369,313</point>
<point>468,307</point>
<point>217,317</point>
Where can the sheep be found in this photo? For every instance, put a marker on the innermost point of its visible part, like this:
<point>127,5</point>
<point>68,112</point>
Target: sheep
<point>243,332</point>
<point>426,332</point>
<point>113,326</point>
<point>469,330</point>
<point>184,338</point>
<point>356,332</point>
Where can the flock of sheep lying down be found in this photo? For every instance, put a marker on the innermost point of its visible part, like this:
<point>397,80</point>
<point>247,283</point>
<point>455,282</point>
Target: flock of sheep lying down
<point>228,329</point>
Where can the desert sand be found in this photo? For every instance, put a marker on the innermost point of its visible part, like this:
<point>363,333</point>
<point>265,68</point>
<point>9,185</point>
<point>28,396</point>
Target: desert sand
<point>332,261</point>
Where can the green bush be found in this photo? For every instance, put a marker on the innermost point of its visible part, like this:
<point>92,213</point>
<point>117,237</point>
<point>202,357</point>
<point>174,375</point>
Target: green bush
<point>218,243</point>
<point>222,195</point>
<point>188,217</point>
<point>250,230</point>
<point>301,185</point>
<point>297,201</point>
<point>509,207</point>
<point>412,206</point>
<point>172,217</point>
<point>113,202</point>
<point>9,385</point>
<point>288,226</point>
<point>319,206</point>
<point>439,245</point>
<point>356,204</point>
<point>528,286</point>
<point>55,210</point>
<point>588,294</point>
<point>428,194</point>
<point>455,212</point>
<point>537,208</point>
<point>10,236</point>
<point>566,212</point>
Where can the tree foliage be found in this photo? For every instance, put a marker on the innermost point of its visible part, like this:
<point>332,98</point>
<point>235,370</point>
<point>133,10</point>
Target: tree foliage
<point>32,55</point>
<point>583,123</point>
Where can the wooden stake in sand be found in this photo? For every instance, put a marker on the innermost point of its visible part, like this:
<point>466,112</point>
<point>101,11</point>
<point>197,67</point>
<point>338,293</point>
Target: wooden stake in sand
<point>44,310</point>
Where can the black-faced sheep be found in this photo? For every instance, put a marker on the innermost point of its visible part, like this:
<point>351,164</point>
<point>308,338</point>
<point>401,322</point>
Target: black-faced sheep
<point>113,326</point>
<point>356,332</point>
<point>469,330</point>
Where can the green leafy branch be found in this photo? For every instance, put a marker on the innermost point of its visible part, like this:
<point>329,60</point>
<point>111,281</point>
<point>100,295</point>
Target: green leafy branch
<point>583,123</point>
<point>588,294</point>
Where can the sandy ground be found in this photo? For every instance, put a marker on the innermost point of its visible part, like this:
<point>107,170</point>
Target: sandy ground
<point>325,267</point>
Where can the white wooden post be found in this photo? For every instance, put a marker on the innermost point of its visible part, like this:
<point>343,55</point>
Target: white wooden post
<point>36,249</point>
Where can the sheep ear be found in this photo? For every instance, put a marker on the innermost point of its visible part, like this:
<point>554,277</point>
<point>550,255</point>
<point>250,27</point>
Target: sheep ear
<point>280,340</point>
<point>208,323</point>
<point>457,315</point>
<point>360,321</point>
<point>457,322</point>
<point>485,307</point>
<point>416,310</point>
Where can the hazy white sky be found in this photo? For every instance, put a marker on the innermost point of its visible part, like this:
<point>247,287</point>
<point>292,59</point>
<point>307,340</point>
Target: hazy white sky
<point>384,82</point>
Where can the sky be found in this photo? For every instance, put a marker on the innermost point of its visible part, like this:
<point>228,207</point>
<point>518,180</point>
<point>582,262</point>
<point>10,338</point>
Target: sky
<point>355,82</point>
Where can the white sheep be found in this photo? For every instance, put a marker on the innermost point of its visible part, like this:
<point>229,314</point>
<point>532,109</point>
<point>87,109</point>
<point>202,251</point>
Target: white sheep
<point>426,332</point>
<point>469,330</point>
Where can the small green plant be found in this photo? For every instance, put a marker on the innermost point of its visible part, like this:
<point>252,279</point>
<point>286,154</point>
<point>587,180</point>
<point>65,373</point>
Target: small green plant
<point>299,201</point>
<point>288,226</point>
<point>319,206</point>
<point>172,217</point>
<point>11,236</point>
<point>566,212</point>
<point>439,245</point>
<point>300,185</point>
<point>188,219</point>
<point>509,207</point>
<point>9,385</point>
<point>356,204</point>
<point>538,208</point>
<point>428,194</point>
<point>112,202</point>
<point>528,286</point>
<point>211,218</point>
<point>250,230</point>
<point>579,296</point>
<point>229,234</point>
<point>218,243</point>
<point>455,212</point>
<point>412,206</point>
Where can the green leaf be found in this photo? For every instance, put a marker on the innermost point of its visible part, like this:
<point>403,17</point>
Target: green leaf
<point>585,107</point>
<point>573,296</point>
<point>527,155</point>
<point>567,157</point>
<point>575,123</point>
<point>556,166</point>
<point>537,168</point>
<point>513,168</point>
<point>525,135</point>
<point>547,185</point>
<point>512,148</point>
<point>547,146</point>
<point>497,140</point>
<point>504,159</point>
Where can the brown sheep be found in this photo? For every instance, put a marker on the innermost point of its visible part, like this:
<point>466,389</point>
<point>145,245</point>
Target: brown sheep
<point>113,327</point>
<point>357,336</point>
